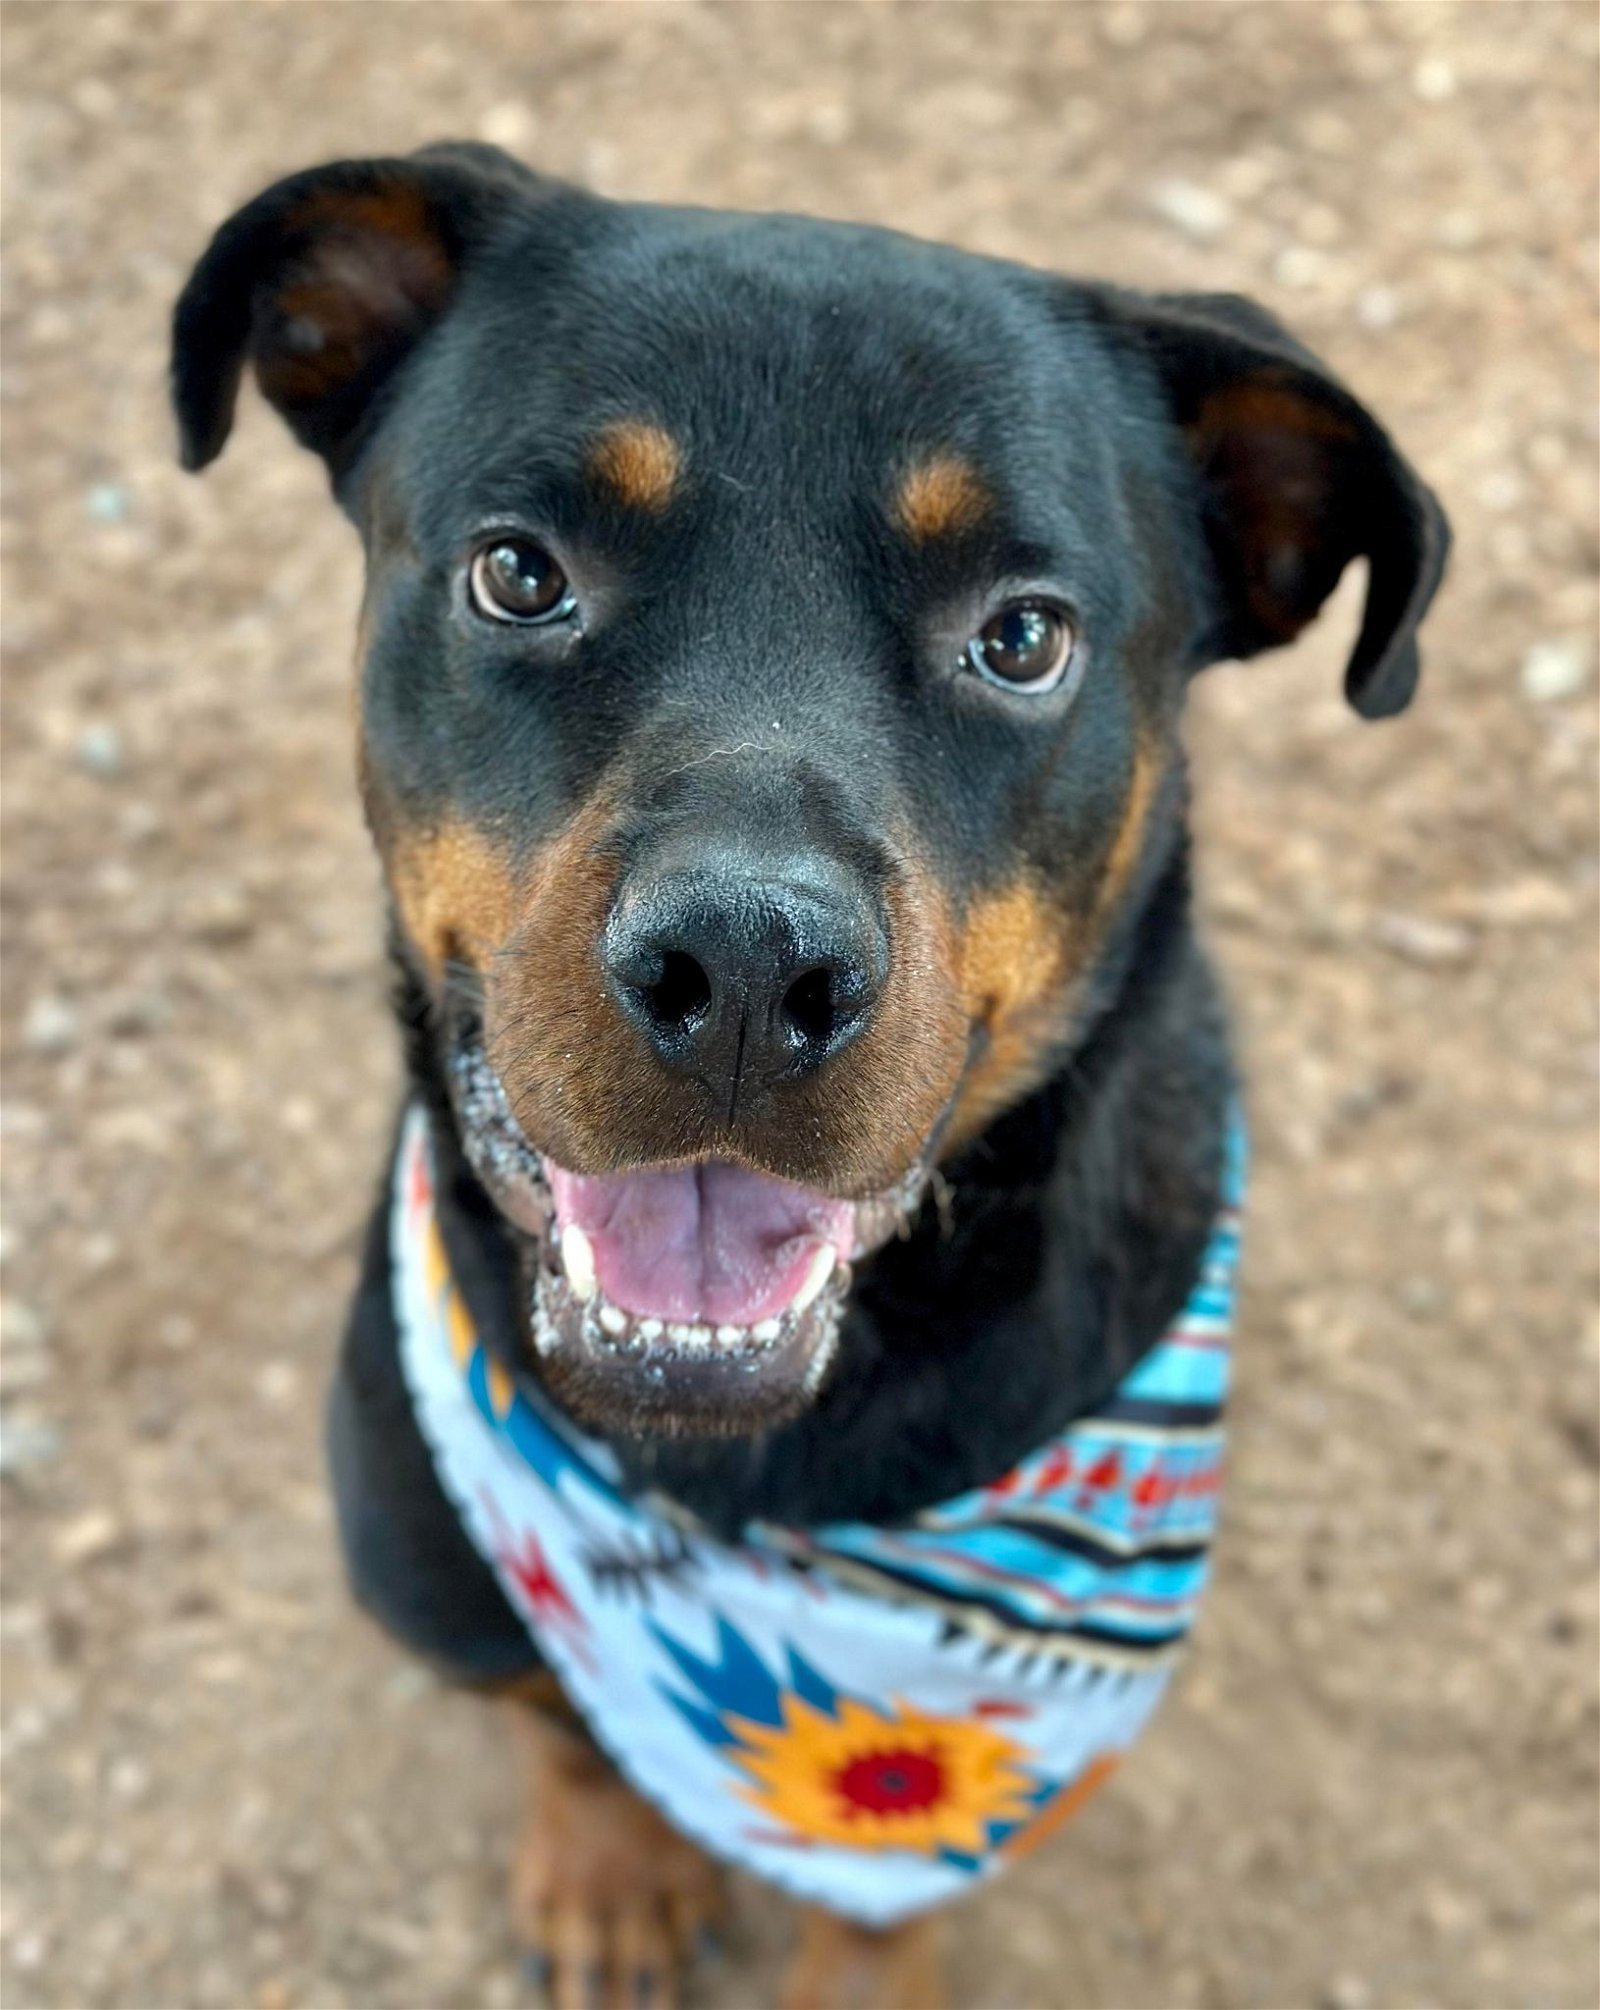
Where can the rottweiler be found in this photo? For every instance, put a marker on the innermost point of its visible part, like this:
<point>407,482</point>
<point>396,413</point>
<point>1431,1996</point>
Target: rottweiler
<point>790,1350</point>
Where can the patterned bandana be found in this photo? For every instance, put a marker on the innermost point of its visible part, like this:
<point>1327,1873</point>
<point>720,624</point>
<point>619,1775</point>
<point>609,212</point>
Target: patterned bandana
<point>873,1718</point>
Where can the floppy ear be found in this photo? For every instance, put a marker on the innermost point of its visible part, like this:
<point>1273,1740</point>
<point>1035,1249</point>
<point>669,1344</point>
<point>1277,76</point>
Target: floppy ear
<point>1297,479</point>
<point>325,282</point>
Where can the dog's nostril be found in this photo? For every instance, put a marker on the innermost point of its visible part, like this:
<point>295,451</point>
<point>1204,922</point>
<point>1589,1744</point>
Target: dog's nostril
<point>681,995</point>
<point>809,1009</point>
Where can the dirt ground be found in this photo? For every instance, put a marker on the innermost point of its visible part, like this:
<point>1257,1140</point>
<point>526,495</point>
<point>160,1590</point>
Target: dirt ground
<point>1377,1782</point>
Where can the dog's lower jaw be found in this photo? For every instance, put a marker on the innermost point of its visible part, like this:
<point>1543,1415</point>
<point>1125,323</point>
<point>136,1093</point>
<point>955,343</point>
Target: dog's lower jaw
<point>677,1369</point>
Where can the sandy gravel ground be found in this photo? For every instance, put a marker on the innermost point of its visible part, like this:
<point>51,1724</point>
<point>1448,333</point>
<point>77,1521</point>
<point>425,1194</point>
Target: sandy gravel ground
<point>1378,1783</point>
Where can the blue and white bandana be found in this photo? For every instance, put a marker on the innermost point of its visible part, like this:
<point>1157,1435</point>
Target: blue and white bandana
<point>873,1718</point>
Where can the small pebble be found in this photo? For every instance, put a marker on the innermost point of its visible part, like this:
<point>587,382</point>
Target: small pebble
<point>21,1327</point>
<point>128,1778</point>
<point>86,1536</point>
<point>1377,307</point>
<point>26,1446</point>
<point>222,917</point>
<point>1197,211</point>
<point>1421,1296</point>
<point>510,125</point>
<point>1433,80</point>
<point>1556,668</point>
<point>94,97</point>
<point>1529,902</point>
<point>1502,489</point>
<point>1299,265</point>
<point>1458,230</point>
<point>28,1952</point>
<point>277,1383</point>
<point>107,502</point>
<point>100,750</point>
<point>51,1025</point>
<point>1420,939</point>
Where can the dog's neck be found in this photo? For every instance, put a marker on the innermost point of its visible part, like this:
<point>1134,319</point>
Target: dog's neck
<point>1067,1237</point>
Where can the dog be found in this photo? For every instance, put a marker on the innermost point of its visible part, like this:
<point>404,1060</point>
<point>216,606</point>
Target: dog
<point>790,1348</point>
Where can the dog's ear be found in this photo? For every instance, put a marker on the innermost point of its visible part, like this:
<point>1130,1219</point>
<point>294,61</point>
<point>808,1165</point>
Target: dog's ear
<point>1296,479</point>
<point>325,282</point>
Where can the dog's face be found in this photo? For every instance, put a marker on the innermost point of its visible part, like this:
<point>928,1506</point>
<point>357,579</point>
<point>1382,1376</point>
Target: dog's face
<point>774,637</point>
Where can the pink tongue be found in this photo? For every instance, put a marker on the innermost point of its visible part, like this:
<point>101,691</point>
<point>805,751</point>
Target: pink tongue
<point>712,1243</point>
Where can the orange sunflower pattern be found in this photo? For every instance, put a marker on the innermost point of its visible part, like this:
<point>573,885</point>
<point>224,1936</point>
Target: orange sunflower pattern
<point>871,1780</point>
<point>826,1767</point>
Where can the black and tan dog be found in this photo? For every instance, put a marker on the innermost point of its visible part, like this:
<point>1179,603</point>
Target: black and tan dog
<point>775,640</point>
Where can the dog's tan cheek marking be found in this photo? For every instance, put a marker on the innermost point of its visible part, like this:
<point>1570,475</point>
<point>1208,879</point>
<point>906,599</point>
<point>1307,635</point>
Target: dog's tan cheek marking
<point>1022,952</point>
<point>568,1059</point>
<point>455,892</point>
<point>939,496</point>
<point>639,462</point>
<point>1126,846</point>
<point>1015,961</point>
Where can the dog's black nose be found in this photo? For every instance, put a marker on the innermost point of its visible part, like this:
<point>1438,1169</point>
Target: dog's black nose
<point>743,980</point>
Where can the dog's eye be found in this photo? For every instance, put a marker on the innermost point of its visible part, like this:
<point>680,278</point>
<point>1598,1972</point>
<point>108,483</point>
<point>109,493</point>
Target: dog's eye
<point>515,579</point>
<point>1025,647</point>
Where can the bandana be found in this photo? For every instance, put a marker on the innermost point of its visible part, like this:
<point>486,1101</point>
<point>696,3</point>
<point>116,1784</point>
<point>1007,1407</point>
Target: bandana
<point>873,1718</point>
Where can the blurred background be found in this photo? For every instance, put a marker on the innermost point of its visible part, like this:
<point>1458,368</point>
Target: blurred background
<point>1377,1782</point>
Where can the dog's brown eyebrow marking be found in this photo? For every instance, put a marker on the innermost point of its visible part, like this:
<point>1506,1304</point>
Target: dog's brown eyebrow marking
<point>941,494</point>
<point>639,461</point>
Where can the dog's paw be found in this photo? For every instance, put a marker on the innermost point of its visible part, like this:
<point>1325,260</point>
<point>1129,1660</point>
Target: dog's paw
<point>842,1967</point>
<point>608,1902</point>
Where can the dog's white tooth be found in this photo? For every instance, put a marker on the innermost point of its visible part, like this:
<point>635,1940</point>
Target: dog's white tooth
<point>769,1329</point>
<point>577,1260</point>
<point>613,1319</point>
<point>729,1334</point>
<point>650,1329</point>
<point>817,1276</point>
<point>684,1335</point>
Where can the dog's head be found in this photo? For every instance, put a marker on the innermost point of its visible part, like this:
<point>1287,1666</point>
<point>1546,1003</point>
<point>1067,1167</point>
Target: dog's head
<point>774,637</point>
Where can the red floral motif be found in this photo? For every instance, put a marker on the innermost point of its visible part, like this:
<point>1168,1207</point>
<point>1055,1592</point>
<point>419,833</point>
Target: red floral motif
<point>522,1558</point>
<point>892,1782</point>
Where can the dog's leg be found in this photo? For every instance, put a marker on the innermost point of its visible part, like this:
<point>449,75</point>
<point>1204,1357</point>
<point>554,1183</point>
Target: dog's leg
<point>606,1898</point>
<point>838,1966</point>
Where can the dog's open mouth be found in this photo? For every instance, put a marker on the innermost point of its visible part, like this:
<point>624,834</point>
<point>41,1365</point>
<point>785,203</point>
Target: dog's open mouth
<point>685,1300</point>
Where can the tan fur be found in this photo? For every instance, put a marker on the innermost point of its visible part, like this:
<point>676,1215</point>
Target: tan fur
<point>639,462</point>
<point>1129,840</point>
<point>1021,953</point>
<point>838,1966</point>
<point>939,496</point>
<point>1015,951</point>
<point>455,891</point>
<point>602,1889</point>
